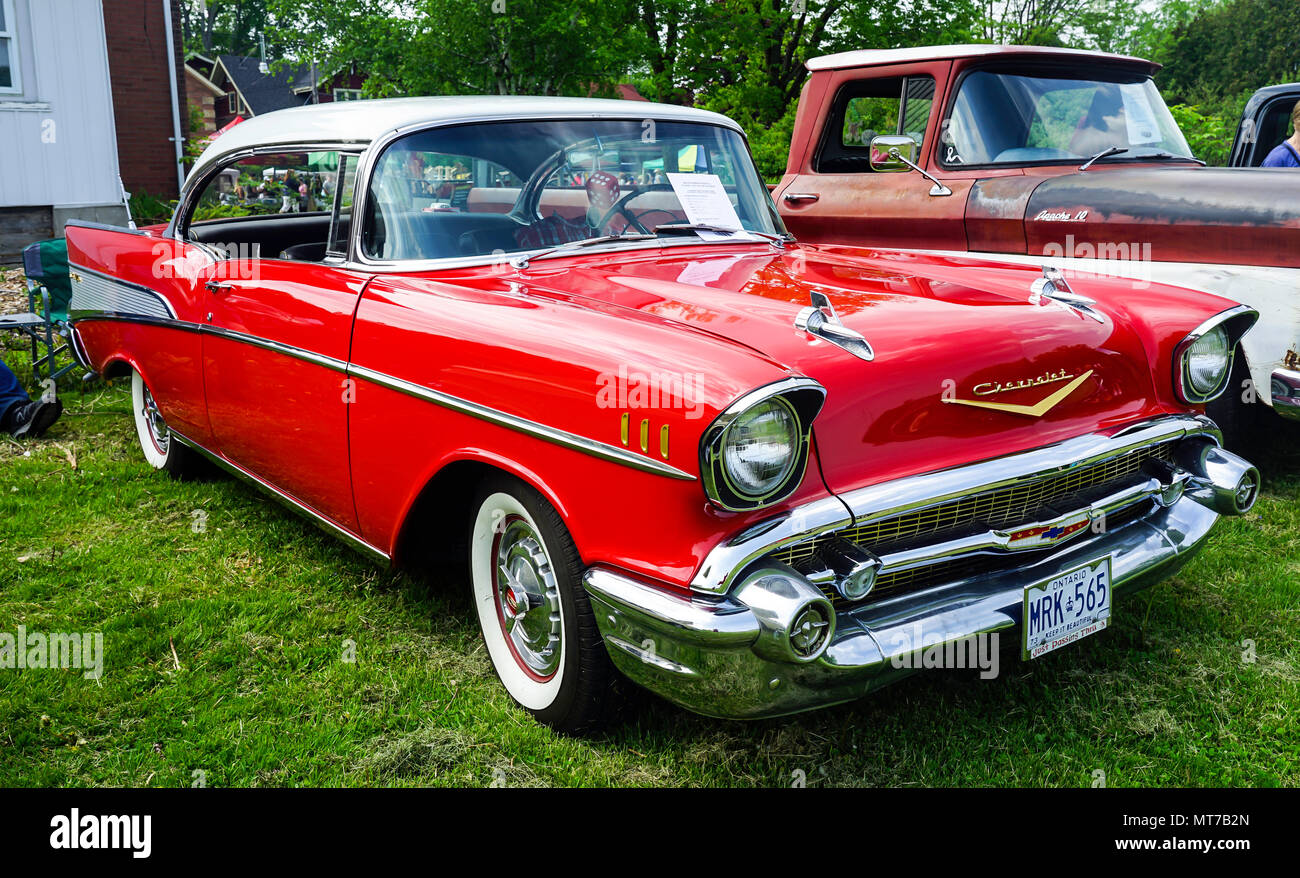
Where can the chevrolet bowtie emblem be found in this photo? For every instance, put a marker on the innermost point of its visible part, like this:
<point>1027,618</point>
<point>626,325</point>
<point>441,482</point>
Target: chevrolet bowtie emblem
<point>1032,411</point>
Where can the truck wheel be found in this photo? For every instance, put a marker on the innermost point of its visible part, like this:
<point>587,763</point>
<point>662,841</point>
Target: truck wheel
<point>525,574</point>
<point>160,448</point>
<point>1239,420</point>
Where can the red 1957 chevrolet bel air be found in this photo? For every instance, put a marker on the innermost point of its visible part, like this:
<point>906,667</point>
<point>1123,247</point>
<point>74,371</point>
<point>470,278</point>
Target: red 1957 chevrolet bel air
<point>572,340</point>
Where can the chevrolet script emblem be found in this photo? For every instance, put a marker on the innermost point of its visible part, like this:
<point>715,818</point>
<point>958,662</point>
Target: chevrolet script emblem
<point>1033,411</point>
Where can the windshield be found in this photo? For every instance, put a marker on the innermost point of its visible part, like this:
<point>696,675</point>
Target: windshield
<point>510,187</point>
<point>1003,118</point>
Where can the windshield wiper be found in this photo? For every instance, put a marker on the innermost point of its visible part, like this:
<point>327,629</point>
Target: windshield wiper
<point>522,260</point>
<point>1165,156</point>
<point>1105,153</point>
<point>692,228</point>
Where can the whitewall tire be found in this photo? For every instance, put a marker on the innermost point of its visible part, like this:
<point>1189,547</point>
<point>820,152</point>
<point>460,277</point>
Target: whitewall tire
<point>536,622</point>
<point>161,449</point>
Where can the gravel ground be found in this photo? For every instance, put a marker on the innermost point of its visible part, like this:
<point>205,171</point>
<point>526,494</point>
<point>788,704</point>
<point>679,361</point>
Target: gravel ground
<point>13,290</point>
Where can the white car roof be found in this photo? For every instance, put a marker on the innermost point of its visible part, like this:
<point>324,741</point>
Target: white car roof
<point>872,57</point>
<point>363,121</point>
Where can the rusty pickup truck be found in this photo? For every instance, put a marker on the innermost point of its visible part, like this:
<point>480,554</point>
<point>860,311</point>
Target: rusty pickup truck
<point>1055,157</point>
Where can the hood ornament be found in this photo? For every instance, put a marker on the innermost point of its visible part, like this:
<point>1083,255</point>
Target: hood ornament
<point>1052,287</point>
<point>822,321</point>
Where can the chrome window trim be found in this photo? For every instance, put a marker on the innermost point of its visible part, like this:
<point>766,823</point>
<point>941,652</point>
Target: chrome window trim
<point>554,435</point>
<point>1182,383</point>
<point>195,185</point>
<point>712,472</point>
<point>729,558</point>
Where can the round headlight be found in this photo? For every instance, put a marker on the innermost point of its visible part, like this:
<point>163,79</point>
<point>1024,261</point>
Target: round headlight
<point>1207,361</point>
<point>761,448</point>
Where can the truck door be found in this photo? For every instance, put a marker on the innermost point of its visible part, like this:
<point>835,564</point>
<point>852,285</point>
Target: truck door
<point>836,197</point>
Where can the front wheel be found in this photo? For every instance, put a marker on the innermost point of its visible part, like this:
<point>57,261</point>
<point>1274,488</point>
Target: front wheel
<point>533,612</point>
<point>160,447</point>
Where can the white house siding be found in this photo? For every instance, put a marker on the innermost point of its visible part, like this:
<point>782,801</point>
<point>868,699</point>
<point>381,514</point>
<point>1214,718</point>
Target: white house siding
<point>58,149</point>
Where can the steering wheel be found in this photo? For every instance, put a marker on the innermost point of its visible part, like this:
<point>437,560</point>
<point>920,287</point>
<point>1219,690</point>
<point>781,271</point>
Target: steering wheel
<point>620,207</point>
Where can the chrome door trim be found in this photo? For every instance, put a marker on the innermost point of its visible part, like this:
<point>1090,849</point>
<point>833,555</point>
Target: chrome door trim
<point>554,435</point>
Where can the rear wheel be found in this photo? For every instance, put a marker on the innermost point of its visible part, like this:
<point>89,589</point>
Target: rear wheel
<point>160,447</point>
<point>533,612</point>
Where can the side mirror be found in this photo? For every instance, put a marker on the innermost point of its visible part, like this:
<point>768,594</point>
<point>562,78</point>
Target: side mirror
<point>883,162</point>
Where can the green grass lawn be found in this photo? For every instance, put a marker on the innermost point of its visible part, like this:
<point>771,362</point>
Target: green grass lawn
<point>225,654</point>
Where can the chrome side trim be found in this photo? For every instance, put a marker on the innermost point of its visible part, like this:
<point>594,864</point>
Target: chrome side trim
<point>289,501</point>
<point>554,435</point>
<point>522,425</point>
<point>95,291</point>
<point>266,344</point>
<point>728,559</point>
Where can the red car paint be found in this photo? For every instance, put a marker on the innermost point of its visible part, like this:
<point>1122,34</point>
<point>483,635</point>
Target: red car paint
<point>534,343</point>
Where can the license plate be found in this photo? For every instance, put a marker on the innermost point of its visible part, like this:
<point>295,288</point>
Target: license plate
<point>1066,608</point>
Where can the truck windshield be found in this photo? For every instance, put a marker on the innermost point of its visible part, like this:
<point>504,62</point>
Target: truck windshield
<point>1005,118</point>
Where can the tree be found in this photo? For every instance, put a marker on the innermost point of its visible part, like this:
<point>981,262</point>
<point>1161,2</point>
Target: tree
<point>214,27</point>
<point>547,47</point>
<point>1234,47</point>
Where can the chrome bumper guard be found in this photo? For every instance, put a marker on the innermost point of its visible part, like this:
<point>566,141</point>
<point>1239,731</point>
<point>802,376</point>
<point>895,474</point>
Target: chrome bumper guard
<point>773,645</point>
<point>1285,387</point>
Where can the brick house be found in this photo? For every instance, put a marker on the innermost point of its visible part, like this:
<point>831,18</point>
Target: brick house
<point>88,92</point>
<point>249,91</point>
<point>146,102</point>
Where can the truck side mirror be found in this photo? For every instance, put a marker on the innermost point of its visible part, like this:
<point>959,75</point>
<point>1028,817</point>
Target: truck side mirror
<point>883,162</point>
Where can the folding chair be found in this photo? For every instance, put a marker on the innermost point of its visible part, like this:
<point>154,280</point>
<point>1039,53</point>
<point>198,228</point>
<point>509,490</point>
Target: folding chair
<point>48,282</point>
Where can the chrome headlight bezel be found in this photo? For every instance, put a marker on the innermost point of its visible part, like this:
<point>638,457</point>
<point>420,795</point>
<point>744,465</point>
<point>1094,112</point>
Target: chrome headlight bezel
<point>1233,324</point>
<point>803,397</point>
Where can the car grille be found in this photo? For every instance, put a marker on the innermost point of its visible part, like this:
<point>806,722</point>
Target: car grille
<point>1028,501</point>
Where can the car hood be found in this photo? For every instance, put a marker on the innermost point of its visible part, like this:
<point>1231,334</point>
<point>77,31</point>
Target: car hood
<point>945,335</point>
<point>1165,213</point>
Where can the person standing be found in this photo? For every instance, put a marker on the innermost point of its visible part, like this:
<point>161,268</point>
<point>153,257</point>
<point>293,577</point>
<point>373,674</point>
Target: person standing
<point>20,415</point>
<point>1287,153</point>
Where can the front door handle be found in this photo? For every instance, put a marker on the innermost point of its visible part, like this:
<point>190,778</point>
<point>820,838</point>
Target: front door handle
<point>217,288</point>
<point>799,197</point>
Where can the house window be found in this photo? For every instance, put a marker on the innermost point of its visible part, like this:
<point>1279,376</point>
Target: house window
<point>232,103</point>
<point>10,78</point>
<point>347,94</point>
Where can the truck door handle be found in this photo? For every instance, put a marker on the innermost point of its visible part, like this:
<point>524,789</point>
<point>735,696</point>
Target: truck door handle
<point>797,197</point>
<point>218,288</point>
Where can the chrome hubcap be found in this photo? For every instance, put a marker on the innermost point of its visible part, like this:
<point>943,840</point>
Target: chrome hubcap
<point>158,431</point>
<point>528,598</point>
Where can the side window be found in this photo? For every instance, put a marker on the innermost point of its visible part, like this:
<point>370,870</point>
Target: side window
<point>262,185</point>
<point>277,205</point>
<point>867,109</point>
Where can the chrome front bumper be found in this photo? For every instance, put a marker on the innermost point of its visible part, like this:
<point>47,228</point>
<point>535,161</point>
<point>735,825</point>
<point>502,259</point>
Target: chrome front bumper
<point>732,655</point>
